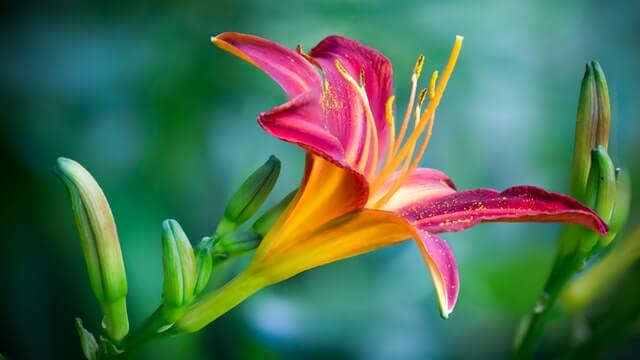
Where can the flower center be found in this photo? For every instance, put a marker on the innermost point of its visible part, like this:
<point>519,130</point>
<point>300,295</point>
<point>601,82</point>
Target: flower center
<point>401,157</point>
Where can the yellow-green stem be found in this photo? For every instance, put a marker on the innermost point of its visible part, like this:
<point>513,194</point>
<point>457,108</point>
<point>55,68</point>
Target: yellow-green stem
<point>115,320</point>
<point>216,304</point>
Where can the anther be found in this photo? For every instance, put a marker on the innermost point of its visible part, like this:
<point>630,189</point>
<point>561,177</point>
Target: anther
<point>432,84</point>
<point>389,110</point>
<point>422,97</point>
<point>417,68</point>
<point>341,68</point>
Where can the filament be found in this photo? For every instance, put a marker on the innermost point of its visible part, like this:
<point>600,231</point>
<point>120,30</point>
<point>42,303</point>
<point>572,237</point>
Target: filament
<point>423,121</point>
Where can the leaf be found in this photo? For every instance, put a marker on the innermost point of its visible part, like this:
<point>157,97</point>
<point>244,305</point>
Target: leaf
<point>87,341</point>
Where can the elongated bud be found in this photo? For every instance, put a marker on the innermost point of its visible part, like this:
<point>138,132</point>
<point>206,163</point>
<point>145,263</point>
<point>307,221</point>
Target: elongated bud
<point>592,125</point>
<point>250,196</point>
<point>621,208</point>
<point>100,245</point>
<point>179,265</point>
<point>268,219</point>
<point>237,243</point>
<point>603,105</point>
<point>601,191</point>
<point>602,165</point>
<point>204,265</point>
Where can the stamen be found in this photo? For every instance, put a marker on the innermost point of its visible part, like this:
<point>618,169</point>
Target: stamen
<point>343,71</point>
<point>304,54</point>
<point>407,169</point>
<point>422,97</point>
<point>417,70</point>
<point>432,85</point>
<point>391,122</point>
<point>362,78</point>
<point>427,118</point>
<point>432,104</point>
<point>371,137</point>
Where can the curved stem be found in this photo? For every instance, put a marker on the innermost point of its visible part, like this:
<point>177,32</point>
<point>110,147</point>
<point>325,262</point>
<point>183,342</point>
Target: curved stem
<point>569,260</point>
<point>149,330</point>
<point>527,340</point>
<point>216,304</point>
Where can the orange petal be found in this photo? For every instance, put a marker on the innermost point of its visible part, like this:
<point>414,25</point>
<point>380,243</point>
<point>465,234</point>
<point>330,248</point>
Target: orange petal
<point>357,233</point>
<point>327,192</point>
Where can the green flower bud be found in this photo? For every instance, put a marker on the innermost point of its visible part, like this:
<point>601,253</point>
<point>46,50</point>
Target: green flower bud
<point>603,106</point>
<point>100,245</point>
<point>601,191</point>
<point>620,210</point>
<point>250,196</point>
<point>179,265</point>
<point>237,243</point>
<point>268,219</point>
<point>204,265</point>
<point>592,125</point>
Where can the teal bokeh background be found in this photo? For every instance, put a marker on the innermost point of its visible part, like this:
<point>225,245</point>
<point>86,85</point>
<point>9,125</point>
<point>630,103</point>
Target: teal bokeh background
<point>165,121</point>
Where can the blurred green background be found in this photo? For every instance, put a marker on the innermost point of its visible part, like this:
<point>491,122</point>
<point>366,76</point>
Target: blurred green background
<point>165,121</point>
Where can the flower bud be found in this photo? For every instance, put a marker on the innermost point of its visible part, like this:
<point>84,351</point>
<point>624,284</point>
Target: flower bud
<point>179,265</point>
<point>204,265</point>
<point>268,219</point>
<point>100,245</point>
<point>250,196</point>
<point>600,192</point>
<point>603,106</point>
<point>620,210</point>
<point>237,243</point>
<point>592,125</point>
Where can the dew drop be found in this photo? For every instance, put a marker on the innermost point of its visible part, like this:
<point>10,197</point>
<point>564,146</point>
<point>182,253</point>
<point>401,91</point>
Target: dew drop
<point>542,303</point>
<point>164,328</point>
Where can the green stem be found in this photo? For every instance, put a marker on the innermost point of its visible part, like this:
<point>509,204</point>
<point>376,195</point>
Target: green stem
<point>116,323</point>
<point>563,270</point>
<point>149,330</point>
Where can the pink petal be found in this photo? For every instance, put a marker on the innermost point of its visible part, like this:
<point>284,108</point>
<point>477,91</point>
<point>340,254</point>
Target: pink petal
<point>443,269</point>
<point>288,68</point>
<point>343,109</point>
<point>300,120</point>
<point>293,122</point>
<point>462,210</point>
<point>424,184</point>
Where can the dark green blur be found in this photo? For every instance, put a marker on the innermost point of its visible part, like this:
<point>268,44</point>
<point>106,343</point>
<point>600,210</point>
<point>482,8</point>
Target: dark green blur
<point>165,122</point>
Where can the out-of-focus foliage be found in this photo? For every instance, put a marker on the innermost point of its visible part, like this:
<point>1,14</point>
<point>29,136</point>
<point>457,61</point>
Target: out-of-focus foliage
<point>134,91</point>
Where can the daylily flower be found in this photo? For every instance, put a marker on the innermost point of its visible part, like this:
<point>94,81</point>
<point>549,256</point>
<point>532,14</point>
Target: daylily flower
<point>362,188</point>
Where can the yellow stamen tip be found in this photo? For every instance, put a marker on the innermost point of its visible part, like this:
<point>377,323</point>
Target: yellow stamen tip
<point>417,69</point>
<point>362,78</point>
<point>432,84</point>
<point>389,110</point>
<point>341,68</point>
